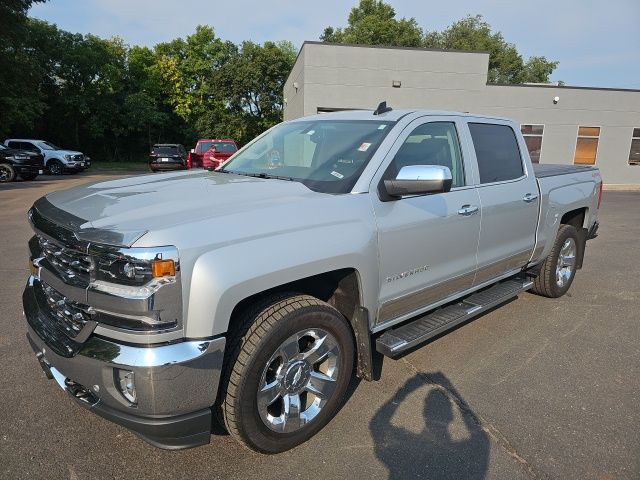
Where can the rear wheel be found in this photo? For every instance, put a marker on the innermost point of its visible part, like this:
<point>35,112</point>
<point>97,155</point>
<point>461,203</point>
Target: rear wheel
<point>559,268</point>
<point>28,176</point>
<point>55,167</point>
<point>287,372</point>
<point>7,173</point>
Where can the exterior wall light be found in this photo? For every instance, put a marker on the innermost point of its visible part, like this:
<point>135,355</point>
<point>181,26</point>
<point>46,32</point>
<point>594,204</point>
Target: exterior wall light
<point>396,83</point>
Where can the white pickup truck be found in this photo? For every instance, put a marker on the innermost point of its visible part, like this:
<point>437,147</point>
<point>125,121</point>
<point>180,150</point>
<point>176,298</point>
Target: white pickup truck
<point>324,243</point>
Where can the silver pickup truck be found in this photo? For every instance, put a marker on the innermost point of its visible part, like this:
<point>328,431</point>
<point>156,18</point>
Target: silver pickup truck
<point>251,295</point>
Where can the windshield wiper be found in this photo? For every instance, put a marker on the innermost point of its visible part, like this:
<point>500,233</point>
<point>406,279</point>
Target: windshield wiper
<point>258,175</point>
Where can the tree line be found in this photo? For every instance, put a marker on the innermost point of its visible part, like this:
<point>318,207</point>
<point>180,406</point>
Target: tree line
<point>113,100</point>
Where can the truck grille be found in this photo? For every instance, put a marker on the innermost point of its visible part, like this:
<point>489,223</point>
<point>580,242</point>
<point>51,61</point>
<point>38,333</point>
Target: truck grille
<point>73,266</point>
<point>69,316</point>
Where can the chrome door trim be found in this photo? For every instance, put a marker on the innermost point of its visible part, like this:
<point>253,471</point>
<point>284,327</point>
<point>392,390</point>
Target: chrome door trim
<point>385,324</point>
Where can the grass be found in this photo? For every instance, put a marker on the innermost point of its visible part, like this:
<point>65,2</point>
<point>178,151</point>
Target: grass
<point>102,166</point>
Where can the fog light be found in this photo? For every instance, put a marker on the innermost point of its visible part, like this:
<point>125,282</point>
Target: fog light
<point>126,383</point>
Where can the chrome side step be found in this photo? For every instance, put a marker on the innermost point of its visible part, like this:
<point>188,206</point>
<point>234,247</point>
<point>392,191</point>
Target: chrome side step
<point>397,340</point>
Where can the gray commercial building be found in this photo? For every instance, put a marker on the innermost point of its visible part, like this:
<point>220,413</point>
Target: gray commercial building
<point>561,124</point>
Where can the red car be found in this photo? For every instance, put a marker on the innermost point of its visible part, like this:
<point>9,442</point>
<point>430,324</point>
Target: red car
<point>211,153</point>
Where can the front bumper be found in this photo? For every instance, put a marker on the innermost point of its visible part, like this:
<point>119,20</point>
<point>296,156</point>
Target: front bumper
<point>28,168</point>
<point>176,384</point>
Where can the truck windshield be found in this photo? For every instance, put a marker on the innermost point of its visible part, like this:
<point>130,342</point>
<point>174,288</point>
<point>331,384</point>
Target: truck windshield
<point>48,146</point>
<point>326,155</point>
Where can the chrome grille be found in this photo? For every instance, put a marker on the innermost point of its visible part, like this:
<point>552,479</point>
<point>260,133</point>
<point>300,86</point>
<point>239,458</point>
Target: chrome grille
<point>69,316</point>
<point>73,266</point>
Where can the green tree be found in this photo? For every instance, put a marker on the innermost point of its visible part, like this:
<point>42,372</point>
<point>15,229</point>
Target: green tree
<point>373,22</point>
<point>253,81</point>
<point>21,103</point>
<point>505,63</point>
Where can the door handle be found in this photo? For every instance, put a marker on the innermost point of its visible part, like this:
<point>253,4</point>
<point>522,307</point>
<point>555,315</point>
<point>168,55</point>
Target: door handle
<point>468,210</point>
<point>529,197</point>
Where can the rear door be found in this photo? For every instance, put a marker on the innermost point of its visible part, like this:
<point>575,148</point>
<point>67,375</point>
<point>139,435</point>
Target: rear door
<point>428,243</point>
<point>508,197</point>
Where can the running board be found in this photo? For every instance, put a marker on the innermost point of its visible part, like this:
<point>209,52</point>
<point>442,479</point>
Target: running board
<point>397,340</point>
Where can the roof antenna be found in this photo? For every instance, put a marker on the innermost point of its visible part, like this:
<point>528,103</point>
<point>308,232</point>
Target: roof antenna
<point>382,108</point>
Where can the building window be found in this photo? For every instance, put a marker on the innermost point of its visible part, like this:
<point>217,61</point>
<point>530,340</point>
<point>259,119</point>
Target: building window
<point>634,153</point>
<point>533,138</point>
<point>587,145</point>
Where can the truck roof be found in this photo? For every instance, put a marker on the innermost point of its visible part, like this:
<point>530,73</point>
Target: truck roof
<point>216,140</point>
<point>393,115</point>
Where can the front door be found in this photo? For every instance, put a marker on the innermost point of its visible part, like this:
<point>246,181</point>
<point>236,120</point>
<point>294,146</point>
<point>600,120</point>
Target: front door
<point>427,243</point>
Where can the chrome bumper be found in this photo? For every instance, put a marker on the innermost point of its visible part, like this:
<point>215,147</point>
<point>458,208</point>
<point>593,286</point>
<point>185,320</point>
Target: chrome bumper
<point>176,384</point>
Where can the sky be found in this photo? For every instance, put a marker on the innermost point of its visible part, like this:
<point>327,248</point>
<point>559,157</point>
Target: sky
<point>596,42</point>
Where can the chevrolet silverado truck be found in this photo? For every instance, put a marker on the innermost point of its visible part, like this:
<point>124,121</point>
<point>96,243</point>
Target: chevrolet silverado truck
<point>338,239</point>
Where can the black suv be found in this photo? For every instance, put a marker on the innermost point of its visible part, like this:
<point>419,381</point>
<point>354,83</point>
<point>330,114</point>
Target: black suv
<point>15,162</point>
<point>167,156</point>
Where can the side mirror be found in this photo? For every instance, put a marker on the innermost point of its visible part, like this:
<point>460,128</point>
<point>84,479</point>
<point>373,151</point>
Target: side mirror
<point>419,180</point>
<point>193,150</point>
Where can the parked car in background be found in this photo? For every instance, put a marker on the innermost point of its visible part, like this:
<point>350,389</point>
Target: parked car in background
<point>56,160</point>
<point>19,162</point>
<point>167,156</point>
<point>211,153</point>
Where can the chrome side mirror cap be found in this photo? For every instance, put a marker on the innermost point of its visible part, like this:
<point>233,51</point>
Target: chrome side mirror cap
<point>418,180</point>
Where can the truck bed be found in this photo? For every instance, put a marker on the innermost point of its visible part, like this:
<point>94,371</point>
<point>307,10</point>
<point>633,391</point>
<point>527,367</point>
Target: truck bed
<point>552,170</point>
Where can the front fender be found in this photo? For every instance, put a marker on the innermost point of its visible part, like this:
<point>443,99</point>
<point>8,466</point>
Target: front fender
<point>223,277</point>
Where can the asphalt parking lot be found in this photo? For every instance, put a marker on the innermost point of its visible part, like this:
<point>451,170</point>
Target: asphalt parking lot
<point>537,389</point>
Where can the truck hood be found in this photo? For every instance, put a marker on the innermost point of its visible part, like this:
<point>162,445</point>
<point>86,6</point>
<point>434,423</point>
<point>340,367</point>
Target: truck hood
<point>133,206</point>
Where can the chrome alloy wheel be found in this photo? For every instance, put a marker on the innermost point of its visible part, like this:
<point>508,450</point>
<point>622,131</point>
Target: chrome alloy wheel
<point>566,262</point>
<point>298,380</point>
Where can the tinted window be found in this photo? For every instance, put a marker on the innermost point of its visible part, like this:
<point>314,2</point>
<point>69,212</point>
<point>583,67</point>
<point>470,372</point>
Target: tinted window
<point>165,150</point>
<point>434,143</point>
<point>29,146</point>
<point>14,145</point>
<point>497,152</point>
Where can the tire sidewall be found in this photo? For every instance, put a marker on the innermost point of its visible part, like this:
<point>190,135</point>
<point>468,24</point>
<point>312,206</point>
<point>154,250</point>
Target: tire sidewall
<point>251,427</point>
<point>565,232</point>
<point>11,170</point>
<point>58,164</point>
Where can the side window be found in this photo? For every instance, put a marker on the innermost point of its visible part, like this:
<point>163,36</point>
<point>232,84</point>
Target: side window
<point>30,147</point>
<point>434,143</point>
<point>14,145</point>
<point>497,152</point>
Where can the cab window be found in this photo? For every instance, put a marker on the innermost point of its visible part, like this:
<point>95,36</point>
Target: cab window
<point>434,143</point>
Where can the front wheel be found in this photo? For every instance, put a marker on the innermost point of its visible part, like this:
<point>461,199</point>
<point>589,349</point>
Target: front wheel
<point>559,268</point>
<point>55,167</point>
<point>7,173</point>
<point>287,372</point>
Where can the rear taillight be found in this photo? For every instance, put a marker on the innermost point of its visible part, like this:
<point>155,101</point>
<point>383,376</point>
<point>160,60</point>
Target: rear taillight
<point>599,194</point>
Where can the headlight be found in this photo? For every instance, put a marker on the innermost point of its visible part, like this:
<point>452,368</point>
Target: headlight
<point>67,157</point>
<point>136,267</point>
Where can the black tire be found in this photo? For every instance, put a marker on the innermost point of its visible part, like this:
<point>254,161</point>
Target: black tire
<point>546,283</point>
<point>7,173</point>
<point>258,335</point>
<point>28,176</point>
<point>55,167</point>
